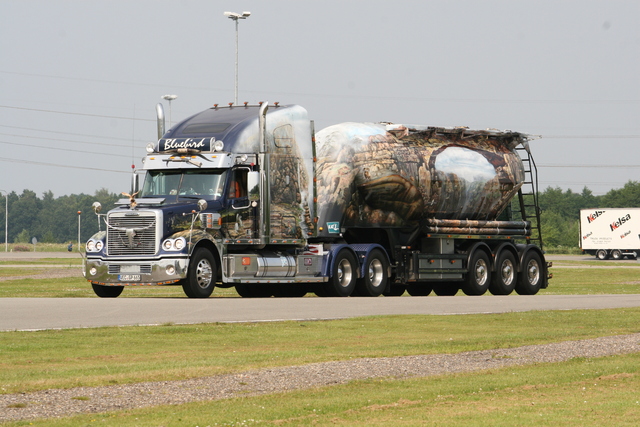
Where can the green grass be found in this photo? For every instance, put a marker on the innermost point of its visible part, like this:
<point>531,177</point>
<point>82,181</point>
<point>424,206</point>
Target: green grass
<point>581,391</point>
<point>76,357</point>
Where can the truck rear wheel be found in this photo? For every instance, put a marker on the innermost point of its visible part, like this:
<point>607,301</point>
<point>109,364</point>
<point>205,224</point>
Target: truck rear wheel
<point>375,277</point>
<point>530,277</point>
<point>201,274</point>
<point>343,280</point>
<point>616,254</point>
<point>479,274</point>
<point>446,289</point>
<point>254,290</point>
<point>503,282</point>
<point>395,290</point>
<point>602,254</point>
<point>420,289</point>
<point>289,290</point>
<point>107,291</point>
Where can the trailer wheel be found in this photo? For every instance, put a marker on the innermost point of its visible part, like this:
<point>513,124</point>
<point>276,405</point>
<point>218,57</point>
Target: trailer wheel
<point>375,277</point>
<point>530,277</point>
<point>343,280</point>
<point>107,291</point>
<point>201,278</point>
<point>616,254</point>
<point>479,274</point>
<point>602,254</point>
<point>420,289</point>
<point>503,282</point>
<point>446,289</point>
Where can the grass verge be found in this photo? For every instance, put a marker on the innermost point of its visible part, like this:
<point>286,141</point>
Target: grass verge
<point>586,392</point>
<point>102,356</point>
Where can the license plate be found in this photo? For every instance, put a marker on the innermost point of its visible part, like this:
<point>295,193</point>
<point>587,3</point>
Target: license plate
<point>129,277</point>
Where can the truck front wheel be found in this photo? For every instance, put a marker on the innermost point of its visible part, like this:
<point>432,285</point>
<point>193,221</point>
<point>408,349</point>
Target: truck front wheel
<point>107,291</point>
<point>343,279</point>
<point>201,275</point>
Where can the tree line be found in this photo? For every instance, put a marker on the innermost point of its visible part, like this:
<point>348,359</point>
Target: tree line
<point>560,216</point>
<point>50,219</point>
<point>55,220</point>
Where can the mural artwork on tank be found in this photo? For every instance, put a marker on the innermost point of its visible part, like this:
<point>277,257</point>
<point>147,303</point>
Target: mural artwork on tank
<point>368,176</point>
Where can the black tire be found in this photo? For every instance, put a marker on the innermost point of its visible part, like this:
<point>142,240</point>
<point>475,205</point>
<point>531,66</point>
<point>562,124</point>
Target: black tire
<point>254,290</point>
<point>478,274</point>
<point>420,289</point>
<point>530,277</point>
<point>107,291</point>
<point>394,290</point>
<point>504,279</point>
<point>201,275</point>
<point>616,254</point>
<point>343,278</point>
<point>602,254</point>
<point>289,290</point>
<point>446,289</point>
<point>376,275</point>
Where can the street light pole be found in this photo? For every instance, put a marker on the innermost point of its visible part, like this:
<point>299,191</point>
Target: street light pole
<point>6,220</point>
<point>236,16</point>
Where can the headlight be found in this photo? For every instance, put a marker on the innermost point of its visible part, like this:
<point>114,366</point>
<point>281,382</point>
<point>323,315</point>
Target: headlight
<point>95,245</point>
<point>174,244</point>
<point>180,243</point>
<point>218,145</point>
<point>167,244</point>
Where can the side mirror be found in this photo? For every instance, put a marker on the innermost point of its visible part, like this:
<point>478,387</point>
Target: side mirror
<point>135,183</point>
<point>253,185</point>
<point>202,204</point>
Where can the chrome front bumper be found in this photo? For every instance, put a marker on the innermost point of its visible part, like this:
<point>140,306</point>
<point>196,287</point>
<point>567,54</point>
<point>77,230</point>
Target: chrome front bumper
<point>136,273</point>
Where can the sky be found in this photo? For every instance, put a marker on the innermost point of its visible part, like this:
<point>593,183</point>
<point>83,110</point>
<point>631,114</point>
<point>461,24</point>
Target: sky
<point>79,80</point>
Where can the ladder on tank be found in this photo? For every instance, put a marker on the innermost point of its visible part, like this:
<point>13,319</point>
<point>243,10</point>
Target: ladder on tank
<point>528,194</point>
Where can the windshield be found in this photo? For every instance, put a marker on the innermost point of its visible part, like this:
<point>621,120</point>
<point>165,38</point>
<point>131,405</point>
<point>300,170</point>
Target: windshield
<point>206,183</point>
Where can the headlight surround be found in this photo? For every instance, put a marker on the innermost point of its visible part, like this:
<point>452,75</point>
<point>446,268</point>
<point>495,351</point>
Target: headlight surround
<point>94,245</point>
<point>174,244</point>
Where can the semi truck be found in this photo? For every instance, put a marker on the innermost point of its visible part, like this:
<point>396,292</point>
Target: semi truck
<point>251,197</point>
<point>610,232</point>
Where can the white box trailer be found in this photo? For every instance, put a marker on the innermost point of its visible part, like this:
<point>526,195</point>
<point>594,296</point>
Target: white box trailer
<point>610,232</point>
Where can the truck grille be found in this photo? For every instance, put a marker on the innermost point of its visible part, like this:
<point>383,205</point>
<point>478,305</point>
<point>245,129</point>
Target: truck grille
<point>132,234</point>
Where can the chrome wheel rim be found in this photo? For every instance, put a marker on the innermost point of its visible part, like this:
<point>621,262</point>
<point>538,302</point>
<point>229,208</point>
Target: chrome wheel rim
<point>204,273</point>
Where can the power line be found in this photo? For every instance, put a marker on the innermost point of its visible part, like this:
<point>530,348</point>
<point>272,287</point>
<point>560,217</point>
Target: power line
<point>62,140</point>
<point>591,166</point>
<point>592,136</point>
<point>326,95</point>
<point>31,162</point>
<point>70,133</point>
<point>75,114</point>
<point>63,149</point>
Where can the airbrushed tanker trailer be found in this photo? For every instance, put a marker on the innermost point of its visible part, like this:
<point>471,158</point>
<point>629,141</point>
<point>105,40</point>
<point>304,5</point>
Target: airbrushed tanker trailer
<point>251,197</point>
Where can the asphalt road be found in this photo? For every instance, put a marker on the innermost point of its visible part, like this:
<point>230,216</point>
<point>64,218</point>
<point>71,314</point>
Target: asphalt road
<point>62,313</point>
